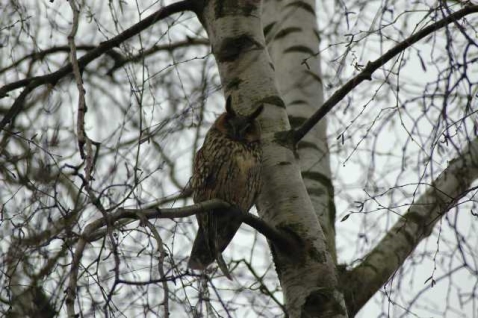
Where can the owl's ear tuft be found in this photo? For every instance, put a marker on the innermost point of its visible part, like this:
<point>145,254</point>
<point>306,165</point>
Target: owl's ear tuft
<point>229,108</point>
<point>256,113</point>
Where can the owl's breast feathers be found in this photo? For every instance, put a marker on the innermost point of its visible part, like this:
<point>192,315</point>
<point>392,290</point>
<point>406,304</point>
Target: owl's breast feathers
<point>227,170</point>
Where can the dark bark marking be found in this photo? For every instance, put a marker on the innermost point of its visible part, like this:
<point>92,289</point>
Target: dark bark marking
<point>307,145</point>
<point>284,138</point>
<point>268,28</point>
<point>233,83</point>
<point>284,32</point>
<point>273,100</point>
<point>231,48</point>
<point>314,76</point>
<point>223,8</point>
<point>302,5</point>
<point>316,191</point>
<point>316,176</point>
<point>317,35</point>
<point>320,257</point>
<point>372,267</point>
<point>284,163</point>
<point>322,303</point>
<point>327,183</point>
<point>248,9</point>
<point>298,102</point>
<point>296,121</point>
<point>300,49</point>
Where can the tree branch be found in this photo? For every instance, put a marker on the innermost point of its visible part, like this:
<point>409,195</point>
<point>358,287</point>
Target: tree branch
<point>40,55</point>
<point>361,283</point>
<point>121,60</point>
<point>118,58</point>
<point>33,82</point>
<point>91,234</point>
<point>371,67</point>
<point>93,231</point>
<point>280,239</point>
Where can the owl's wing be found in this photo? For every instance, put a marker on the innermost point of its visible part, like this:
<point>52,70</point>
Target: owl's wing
<point>204,179</point>
<point>255,182</point>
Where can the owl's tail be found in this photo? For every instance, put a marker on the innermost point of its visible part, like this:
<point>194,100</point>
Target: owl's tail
<point>202,256</point>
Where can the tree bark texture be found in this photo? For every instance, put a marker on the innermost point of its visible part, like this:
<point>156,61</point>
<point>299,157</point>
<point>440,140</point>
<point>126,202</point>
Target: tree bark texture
<point>292,37</point>
<point>308,277</point>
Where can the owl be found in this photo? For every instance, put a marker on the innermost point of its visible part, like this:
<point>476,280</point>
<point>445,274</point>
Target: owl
<point>227,167</point>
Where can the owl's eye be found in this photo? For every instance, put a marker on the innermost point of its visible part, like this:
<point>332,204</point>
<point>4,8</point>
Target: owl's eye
<point>247,128</point>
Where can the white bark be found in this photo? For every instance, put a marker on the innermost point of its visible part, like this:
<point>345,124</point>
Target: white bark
<point>308,276</point>
<point>417,224</point>
<point>292,38</point>
<point>293,42</point>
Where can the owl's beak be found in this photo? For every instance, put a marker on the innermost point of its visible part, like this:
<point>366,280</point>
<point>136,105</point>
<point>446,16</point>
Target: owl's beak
<point>242,132</point>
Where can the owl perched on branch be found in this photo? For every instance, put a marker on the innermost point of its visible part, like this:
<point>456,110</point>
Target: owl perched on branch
<point>227,167</point>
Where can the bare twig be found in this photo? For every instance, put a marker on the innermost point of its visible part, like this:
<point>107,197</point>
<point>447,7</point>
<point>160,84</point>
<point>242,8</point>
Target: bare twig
<point>118,58</point>
<point>122,60</point>
<point>40,55</point>
<point>94,231</point>
<point>80,125</point>
<point>263,288</point>
<point>16,107</point>
<point>162,275</point>
<point>362,282</point>
<point>33,82</point>
<point>366,73</point>
<point>73,277</point>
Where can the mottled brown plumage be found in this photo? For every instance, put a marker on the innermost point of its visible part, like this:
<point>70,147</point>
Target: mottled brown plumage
<point>227,167</point>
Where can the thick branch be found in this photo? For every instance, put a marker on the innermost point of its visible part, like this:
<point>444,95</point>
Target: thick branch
<point>371,67</point>
<point>33,82</point>
<point>90,232</point>
<point>280,239</point>
<point>363,281</point>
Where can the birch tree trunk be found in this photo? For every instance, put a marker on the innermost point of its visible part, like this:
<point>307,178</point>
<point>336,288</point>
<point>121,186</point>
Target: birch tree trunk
<point>293,39</point>
<point>308,277</point>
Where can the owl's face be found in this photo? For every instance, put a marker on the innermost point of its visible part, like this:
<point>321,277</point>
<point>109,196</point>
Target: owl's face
<point>242,128</point>
<point>238,127</point>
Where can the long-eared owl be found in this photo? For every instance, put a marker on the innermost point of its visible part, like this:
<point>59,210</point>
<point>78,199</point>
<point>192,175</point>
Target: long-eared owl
<point>227,167</point>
